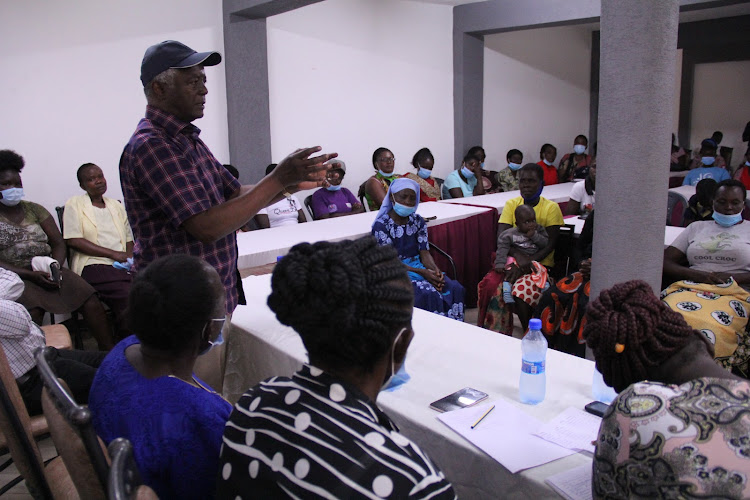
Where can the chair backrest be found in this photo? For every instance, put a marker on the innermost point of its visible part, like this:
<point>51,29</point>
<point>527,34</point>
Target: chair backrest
<point>72,432</point>
<point>308,205</point>
<point>564,250</point>
<point>445,192</point>
<point>362,197</point>
<point>676,205</point>
<point>124,481</point>
<point>16,425</point>
<point>60,212</point>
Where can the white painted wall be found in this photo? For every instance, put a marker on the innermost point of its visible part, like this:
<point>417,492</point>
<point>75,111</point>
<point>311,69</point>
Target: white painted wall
<point>353,75</point>
<point>721,102</point>
<point>71,93</point>
<point>536,90</point>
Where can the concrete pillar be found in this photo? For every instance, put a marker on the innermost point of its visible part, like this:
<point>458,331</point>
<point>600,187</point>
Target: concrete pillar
<point>638,43</point>
<point>468,90</point>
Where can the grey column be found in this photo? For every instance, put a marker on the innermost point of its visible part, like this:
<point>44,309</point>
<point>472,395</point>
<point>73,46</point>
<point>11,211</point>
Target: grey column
<point>468,89</point>
<point>638,43</point>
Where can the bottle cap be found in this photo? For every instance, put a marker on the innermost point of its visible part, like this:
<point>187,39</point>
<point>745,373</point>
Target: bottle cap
<point>535,324</point>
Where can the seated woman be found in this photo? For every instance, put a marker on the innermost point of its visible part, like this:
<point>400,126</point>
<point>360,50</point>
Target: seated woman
<point>399,226</point>
<point>96,228</point>
<point>563,305</point>
<point>712,261</point>
<point>548,153</point>
<point>320,433</point>
<point>706,169</point>
<point>489,177</point>
<point>27,230</point>
<point>583,194</point>
<point>424,162</point>
<point>742,173</point>
<point>145,389</point>
<point>679,426</point>
<point>335,200</point>
<point>701,204</point>
<point>285,212</point>
<point>575,165</point>
<point>507,178</point>
<point>494,313</point>
<point>376,186</point>
<point>462,183</point>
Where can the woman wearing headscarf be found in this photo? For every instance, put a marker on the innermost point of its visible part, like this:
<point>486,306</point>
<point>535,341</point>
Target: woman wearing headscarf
<point>398,225</point>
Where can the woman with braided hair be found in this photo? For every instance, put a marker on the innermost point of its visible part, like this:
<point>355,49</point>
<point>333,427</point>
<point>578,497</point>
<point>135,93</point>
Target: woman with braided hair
<point>679,427</point>
<point>319,434</point>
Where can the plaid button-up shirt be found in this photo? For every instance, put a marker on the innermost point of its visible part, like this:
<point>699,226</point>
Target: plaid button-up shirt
<point>19,336</point>
<point>168,175</point>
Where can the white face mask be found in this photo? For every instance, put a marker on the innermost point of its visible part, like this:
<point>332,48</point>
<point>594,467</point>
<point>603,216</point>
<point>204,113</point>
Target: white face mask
<point>392,368</point>
<point>11,196</point>
<point>579,149</point>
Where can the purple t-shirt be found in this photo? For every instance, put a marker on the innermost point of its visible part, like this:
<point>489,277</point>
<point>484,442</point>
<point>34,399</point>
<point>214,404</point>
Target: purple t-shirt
<point>326,202</point>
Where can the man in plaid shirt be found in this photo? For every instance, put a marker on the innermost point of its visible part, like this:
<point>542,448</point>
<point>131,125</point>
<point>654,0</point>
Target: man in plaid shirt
<point>178,197</point>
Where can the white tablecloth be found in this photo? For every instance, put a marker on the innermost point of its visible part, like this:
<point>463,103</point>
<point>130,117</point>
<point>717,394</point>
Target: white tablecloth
<point>686,191</point>
<point>670,232</point>
<point>256,248</point>
<point>444,356</point>
<point>558,193</point>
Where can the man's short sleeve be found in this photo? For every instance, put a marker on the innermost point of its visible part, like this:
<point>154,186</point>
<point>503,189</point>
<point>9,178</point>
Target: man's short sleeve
<point>683,239</point>
<point>576,194</point>
<point>231,185</point>
<point>171,181</point>
<point>72,226</point>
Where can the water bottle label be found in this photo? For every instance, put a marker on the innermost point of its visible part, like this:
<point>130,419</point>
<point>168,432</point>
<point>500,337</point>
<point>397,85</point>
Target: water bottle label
<point>534,368</point>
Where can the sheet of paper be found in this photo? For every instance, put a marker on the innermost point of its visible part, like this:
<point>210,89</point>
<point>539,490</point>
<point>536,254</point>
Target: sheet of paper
<point>573,484</point>
<point>573,429</point>
<point>506,434</point>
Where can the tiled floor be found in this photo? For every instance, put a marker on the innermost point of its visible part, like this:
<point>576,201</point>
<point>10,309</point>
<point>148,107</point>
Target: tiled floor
<point>19,491</point>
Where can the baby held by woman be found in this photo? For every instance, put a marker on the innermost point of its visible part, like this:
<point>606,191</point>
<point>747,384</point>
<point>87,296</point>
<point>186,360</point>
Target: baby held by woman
<point>527,237</point>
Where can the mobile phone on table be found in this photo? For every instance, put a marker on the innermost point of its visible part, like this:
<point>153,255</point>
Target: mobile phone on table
<point>460,399</point>
<point>596,408</point>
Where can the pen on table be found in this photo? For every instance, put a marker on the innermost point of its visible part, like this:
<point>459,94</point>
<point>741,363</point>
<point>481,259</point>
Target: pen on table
<point>482,417</point>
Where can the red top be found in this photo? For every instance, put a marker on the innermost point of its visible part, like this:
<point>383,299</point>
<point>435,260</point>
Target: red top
<point>550,173</point>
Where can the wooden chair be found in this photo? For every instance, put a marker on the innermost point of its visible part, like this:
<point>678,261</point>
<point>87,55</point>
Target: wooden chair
<point>47,481</point>
<point>72,432</point>
<point>124,481</point>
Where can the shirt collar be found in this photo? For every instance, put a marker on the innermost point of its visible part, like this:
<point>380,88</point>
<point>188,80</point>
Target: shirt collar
<point>170,123</point>
<point>322,383</point>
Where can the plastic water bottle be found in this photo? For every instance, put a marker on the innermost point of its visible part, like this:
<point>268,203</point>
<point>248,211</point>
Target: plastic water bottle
<point>533,383</point>
<point>600,391</point>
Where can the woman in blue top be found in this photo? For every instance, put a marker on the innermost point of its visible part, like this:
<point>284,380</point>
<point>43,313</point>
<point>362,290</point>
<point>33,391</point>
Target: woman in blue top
<point>462,183</point>
<point>398,225</point>
<point>145,389</point>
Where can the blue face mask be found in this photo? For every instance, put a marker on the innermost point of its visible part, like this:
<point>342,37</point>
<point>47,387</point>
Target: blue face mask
<point>403,210</point>
<point>467,173</point>
<point>386,174</point>
<point>536,195</point>
<point>399,378</point>
<point>482,165</point>
<point>579,149</point>
<point>424,173</point>
<point>747,163</point>
<point>708,160</point>
<point>514,166</point>
<point>334,188</point>
<point>727,220</point>
<point>11,196</point>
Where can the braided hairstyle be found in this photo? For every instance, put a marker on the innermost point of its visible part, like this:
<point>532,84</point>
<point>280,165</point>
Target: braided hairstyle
<point>633,333</point>
<point>170,301</point>
<point>347,300</point>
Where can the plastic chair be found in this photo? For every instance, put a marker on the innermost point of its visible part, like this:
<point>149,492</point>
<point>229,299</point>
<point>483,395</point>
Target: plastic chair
<point>676,205</point>
<point>72,432</point>
<point>124,482</point>
<point>47,481</point>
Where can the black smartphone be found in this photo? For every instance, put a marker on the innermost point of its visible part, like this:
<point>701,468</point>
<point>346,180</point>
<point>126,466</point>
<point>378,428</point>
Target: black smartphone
<point>459,399</point>
<point>596,408</point>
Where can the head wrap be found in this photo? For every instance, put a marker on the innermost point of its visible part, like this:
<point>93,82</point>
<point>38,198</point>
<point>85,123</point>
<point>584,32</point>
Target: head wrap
<point>398,185</point>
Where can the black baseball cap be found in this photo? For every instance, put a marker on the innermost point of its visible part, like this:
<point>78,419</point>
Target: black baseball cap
<point>171,54</point>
